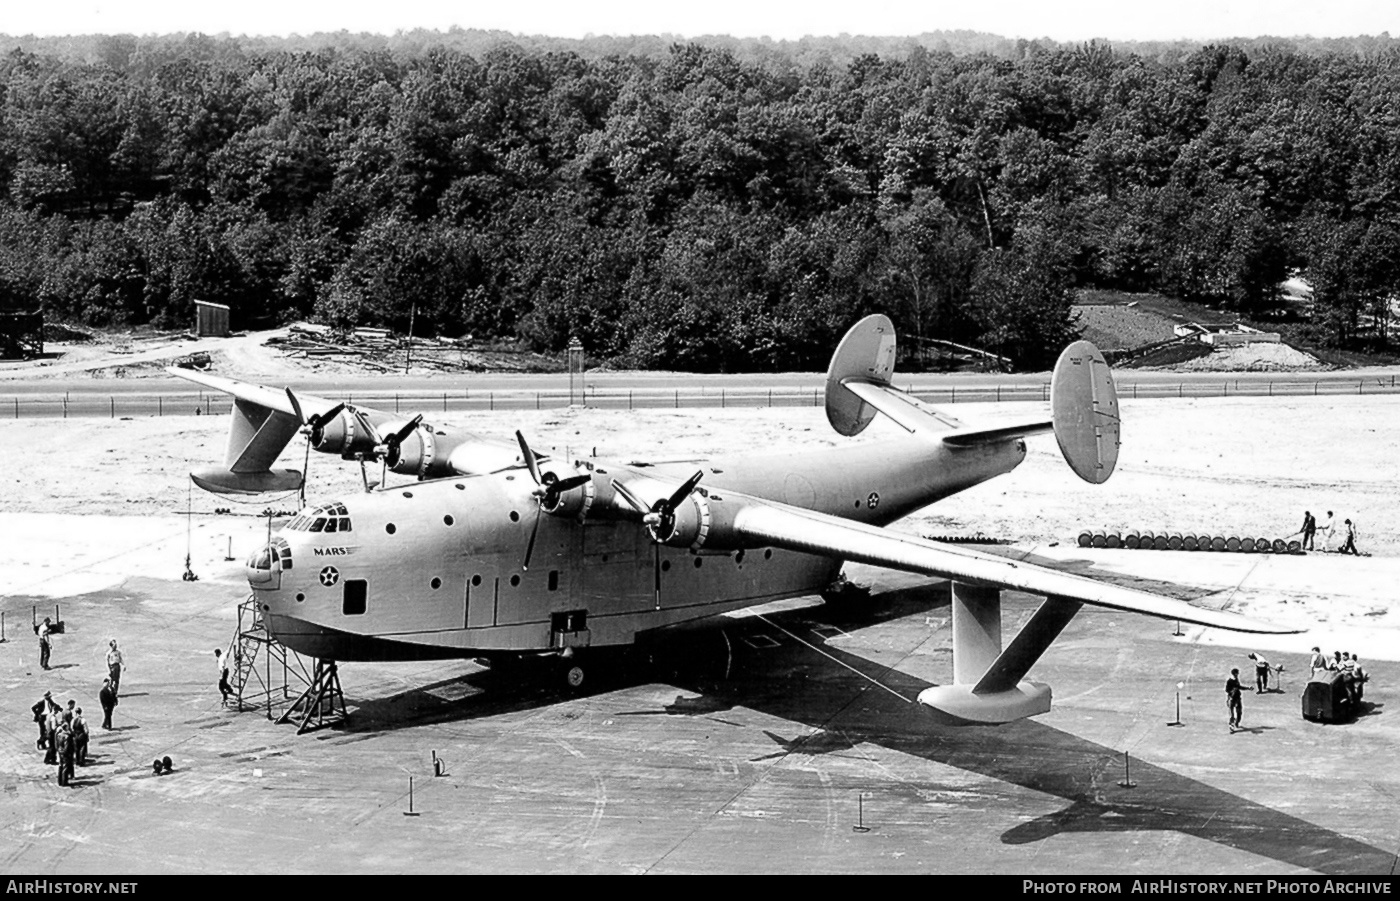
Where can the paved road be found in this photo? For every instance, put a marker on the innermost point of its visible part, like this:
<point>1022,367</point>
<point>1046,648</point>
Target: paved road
<point>623,390</point>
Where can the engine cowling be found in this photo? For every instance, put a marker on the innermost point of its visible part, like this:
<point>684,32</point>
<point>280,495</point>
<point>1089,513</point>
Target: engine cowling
<point>345,435</point>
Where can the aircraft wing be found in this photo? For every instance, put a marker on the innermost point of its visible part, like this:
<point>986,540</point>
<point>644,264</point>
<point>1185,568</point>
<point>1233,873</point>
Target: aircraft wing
<point>796,529</point>
<point>258,395</point>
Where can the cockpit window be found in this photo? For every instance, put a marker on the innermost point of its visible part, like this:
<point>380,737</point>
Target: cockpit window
<point>331,518</point>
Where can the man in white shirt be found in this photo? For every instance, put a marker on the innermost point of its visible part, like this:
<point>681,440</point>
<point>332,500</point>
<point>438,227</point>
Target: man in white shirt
<point>114,665</point>
<point>1261,673</point>
<point>44,643</point>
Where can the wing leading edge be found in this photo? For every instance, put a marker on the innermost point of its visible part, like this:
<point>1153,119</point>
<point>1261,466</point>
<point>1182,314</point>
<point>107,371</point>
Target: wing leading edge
<point>817,533</point>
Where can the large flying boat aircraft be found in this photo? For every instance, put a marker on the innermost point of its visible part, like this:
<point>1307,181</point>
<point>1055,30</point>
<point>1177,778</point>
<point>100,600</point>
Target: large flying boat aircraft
<point>498,553</point>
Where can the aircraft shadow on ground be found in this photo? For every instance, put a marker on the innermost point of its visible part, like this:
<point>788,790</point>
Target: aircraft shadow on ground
<point>799,684</point>
<point>1034,756</point>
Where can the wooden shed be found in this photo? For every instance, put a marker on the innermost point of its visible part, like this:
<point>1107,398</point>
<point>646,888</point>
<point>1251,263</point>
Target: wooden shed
<point>21,334</point>
<point>210,319</point>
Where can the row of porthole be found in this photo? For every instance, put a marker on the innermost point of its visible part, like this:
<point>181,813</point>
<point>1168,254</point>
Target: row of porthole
<point>436,582</point>
<point>446,520</point>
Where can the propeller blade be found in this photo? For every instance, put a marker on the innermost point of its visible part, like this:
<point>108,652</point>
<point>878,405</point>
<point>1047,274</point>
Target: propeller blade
<point>683,492</point>
<point>530,547</point>
<point>630,498</point>
<point>398,437</point>
<point>570,483</point>
<point>320,422</point>
<point>296,407</point>
<point>529,456</point>
<point>367,426</point>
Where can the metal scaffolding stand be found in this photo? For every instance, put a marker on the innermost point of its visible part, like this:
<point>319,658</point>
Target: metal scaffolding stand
<point>272,677</point>
<point>321,704</point>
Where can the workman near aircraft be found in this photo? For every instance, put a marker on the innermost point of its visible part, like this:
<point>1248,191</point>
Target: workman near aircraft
<point>108,698</point>
<point>224,688</point>
<point>64,739</point>
<point>1318,663</point>
<point>1309,530</point>
<point>51,723</point>
<point>45,628</point>
<point>1328,529</point>
<point>1358,679</point>
<point>1234,700</point>
<point>41,711</point>
<point>1349,547</point>
<point>1261,673</point>
<point>114,665</point>
<point>80,737</point>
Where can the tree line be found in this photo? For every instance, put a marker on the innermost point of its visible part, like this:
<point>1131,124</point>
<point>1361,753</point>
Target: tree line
<point>698,208</point>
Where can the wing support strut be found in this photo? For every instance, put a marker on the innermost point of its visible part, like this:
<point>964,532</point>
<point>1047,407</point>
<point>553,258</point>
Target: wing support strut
<point>988,682</point>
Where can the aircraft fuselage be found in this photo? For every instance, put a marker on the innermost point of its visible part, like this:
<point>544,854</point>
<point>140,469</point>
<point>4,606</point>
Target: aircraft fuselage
<point>436,569</point>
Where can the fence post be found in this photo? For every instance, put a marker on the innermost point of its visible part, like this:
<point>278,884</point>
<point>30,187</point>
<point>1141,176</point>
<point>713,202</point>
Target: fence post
<point>111,400</point>
<point>160,405</point>
<point>721,399</point>
<point>492,400</point>
<point>396,402</point>
<point>678,398</point>
<point>629,398</point>
<point>444,401</point>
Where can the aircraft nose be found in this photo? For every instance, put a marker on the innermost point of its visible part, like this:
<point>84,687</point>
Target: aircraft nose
<point>265,566</point>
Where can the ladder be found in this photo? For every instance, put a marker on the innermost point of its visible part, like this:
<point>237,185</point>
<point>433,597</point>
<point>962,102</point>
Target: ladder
<point>267,675</point>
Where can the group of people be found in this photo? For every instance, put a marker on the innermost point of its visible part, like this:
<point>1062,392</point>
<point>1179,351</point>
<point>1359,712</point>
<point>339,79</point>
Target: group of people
<point>1328,530</point>
<point>63,735</point>
<point>1348,664</point>
<point>1344,662</point>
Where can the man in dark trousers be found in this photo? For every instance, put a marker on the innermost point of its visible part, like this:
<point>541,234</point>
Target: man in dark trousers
<point>222,665</point>
<point>52,720</point>
<point>1261,673</point>
<point>44,642</point>
<point>108,698</point>
<point>41,714</point>
<point>1234,700</point>
<point>1309,530</point>
<point>1350,546</point>
<point>64,737</point>
<point>80,738</point>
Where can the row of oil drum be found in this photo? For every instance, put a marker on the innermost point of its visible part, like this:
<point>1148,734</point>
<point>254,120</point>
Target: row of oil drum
<point>1176,541</point>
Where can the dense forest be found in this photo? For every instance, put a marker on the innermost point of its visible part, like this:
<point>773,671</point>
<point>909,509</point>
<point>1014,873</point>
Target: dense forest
<point>698,206</point>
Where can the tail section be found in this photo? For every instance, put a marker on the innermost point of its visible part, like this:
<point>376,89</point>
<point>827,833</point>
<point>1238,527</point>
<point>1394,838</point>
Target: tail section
<point>1084,408</point>
<point>1083,402</point>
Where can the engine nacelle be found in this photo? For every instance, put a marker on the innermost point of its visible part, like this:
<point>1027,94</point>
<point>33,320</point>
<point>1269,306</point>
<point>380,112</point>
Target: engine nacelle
<point>346,435</point>
<point>417,454</point>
